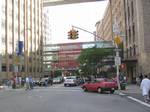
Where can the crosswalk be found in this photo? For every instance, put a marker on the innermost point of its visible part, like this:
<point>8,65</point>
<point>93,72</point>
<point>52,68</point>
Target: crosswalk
<point>59,87</point>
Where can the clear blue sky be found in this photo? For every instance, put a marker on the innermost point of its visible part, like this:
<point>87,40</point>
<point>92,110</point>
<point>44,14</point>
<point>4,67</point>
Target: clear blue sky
<point>84,15</point>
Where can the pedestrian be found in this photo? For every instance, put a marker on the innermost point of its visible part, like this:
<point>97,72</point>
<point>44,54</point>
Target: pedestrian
<point>30,81</point>
<point>141,77</point>
<point>145,86</point>
<point>13,82</point>
<point>27,83</point>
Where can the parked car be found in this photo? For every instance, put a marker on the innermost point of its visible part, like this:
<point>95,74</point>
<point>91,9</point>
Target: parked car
<point>100,86</point>
<point>57,80</point>
<point>71,81</point>
<point>45,81</point>
<point>36,82</point>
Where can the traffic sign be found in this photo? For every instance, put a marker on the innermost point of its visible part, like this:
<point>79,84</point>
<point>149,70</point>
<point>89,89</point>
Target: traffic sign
<point>117,50</point>
<point>117,60</point>
<point>117,40</point>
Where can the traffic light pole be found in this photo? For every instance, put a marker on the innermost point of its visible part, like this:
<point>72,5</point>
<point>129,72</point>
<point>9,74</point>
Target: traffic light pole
<point>87,31</point>
<point>117,67</point>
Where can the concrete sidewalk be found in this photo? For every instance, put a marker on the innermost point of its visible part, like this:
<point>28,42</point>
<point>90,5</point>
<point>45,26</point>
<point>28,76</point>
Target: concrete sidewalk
<point>134,92</point>
<point>131,89</point>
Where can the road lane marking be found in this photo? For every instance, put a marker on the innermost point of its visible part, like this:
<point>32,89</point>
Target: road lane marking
<point>139,101</point>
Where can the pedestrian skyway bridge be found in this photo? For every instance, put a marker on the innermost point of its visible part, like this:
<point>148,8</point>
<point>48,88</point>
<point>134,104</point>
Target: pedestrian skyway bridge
<point>77,45</point>
<point>61,2</point>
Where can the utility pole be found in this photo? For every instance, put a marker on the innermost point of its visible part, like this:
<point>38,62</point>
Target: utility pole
<point>117,41</point>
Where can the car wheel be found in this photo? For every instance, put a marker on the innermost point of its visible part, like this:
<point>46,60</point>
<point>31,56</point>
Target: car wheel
<point>99,90</point>
<point>112,91</point>
<point>65,85</point>
<point>85,89</point>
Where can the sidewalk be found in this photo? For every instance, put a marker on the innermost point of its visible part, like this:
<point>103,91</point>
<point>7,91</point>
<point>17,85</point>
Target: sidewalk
<point>133,91</point>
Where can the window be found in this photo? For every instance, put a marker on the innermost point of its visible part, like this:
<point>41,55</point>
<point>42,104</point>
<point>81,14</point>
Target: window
<point>128,13</point>
<point>132,10</point>
<point>4,68</point>
<point>130,51</point>
<point>134,50</point>
<point>129,35</point>
<point>133,31</point>
<point>3,39</point>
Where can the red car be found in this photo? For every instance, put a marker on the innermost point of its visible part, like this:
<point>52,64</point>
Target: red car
<point>100,86</point>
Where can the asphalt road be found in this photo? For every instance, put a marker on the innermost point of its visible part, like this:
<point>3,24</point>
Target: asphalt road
<point>65,99</point>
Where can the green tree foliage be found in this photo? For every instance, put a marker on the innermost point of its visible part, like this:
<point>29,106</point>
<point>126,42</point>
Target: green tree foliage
<point>92,57</point>
<point>57,73</point>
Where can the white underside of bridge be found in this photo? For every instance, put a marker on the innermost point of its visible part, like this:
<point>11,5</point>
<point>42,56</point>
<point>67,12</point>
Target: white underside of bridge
<point>61,2</point>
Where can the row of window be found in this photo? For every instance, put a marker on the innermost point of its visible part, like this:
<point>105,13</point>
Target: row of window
<point>131,52</point>
<point>130,38</point>
<point>12,69</point>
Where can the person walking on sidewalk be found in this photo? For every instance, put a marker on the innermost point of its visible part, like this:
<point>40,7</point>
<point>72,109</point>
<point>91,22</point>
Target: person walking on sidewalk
<point>27,83</point>
<point>145,86</point>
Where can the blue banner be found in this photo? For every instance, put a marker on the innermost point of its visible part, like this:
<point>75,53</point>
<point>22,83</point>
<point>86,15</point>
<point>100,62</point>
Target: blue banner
<point>20,47</point>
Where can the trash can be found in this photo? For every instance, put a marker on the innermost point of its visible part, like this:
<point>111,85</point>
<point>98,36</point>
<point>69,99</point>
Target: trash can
<point>123,86</point>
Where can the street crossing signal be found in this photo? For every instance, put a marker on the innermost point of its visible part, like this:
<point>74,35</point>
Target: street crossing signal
<point>122,66</point>
<point>73,34</point>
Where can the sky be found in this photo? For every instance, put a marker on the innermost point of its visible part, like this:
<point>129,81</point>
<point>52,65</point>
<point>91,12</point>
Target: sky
<point>83,15</point>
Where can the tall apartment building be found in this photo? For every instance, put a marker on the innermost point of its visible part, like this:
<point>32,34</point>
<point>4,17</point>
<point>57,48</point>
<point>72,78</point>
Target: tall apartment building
<point>104,26</point>
<point>46,35</point>
<point>132,17</point>
<point>137,41</point>
<point>21,37</point>
<point>46,27</point>
<point>114,15</point>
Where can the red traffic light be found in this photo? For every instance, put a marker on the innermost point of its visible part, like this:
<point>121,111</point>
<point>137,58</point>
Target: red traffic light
<point>122,66</point>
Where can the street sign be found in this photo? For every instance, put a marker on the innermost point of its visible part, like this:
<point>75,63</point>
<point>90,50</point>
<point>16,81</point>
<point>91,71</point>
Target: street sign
<point>117,60</point>
<point>117,50</point>
<point>117,40</point>
<point>116,28</point>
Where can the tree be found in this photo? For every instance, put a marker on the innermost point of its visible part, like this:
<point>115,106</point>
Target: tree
<point>91,58</point>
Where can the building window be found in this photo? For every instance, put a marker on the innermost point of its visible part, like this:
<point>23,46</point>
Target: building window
<point>130,51</point>
<point>3,39</point>
<point>127,52</point>
<point>128,13</point>
<point>129,35</point>
<point>132,10</point>
<point>134,50</point>
<point>133,31</point>
<point>4,68</point>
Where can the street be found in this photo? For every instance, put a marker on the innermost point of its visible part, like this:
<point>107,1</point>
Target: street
<point>65,99</point>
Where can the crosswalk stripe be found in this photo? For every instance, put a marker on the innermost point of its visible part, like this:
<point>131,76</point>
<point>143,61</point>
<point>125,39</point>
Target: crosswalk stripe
<point>141,102</point>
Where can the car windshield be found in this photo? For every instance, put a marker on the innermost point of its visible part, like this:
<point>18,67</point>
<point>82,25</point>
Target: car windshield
<point>44,79</point>
<point>71,77</point>
<point>56,78</point>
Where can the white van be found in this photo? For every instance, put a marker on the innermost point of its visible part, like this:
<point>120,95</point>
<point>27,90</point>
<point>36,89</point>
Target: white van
<point>71,81</point>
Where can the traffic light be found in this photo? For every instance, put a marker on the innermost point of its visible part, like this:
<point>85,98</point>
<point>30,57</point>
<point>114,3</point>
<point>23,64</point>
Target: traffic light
<point>70,34</point>
<point>122,66</point>
<point>73,34</point>
<point>76,34</point>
